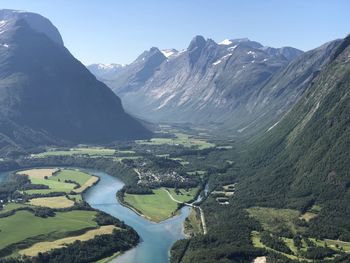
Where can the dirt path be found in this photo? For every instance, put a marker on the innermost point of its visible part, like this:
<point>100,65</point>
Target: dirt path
<point>194,206</point>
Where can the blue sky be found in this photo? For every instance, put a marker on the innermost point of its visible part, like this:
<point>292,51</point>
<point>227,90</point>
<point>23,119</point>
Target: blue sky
<point>119,30</point>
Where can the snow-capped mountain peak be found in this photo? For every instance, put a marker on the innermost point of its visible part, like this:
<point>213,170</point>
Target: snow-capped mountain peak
<point>170,52</point>
<point>226,42</point>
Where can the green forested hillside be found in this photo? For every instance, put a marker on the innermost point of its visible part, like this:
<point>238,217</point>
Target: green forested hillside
<point>301,163</point>
<point>304,160</point>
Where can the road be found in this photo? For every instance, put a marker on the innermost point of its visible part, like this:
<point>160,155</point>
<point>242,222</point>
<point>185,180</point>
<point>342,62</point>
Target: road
<point>194,206</point>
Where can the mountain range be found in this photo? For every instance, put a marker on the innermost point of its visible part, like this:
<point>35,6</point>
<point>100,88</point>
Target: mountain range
<point>47,96</point>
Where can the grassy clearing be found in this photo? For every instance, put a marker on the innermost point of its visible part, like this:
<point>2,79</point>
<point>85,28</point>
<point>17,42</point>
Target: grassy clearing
<point>159,206</point>
<point>76,198</point>
<point>312,213</point>
<point>75,175</point>
<point>183,195</point>
<point>24,224</point>
<point>56,183</point>
<point>121,158</point>
<point>193,224</point>
<point>42,247</point>
<point>52,202</point>
<point>11,206</point>
<point>54,186</point>
<point>180,139</point>
<point>273,219</point>
<point>335,244</point>
<point>91,151</point>
<point>255,236</point>
<point>85,180</point>
<point>38,173</point>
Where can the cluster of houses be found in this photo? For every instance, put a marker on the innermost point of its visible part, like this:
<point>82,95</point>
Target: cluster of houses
<point>223,195</point>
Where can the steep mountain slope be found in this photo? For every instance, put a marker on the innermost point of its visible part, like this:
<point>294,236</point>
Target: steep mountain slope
<point>207,82</point>
<point>304,160</point>
<point>47,96</point>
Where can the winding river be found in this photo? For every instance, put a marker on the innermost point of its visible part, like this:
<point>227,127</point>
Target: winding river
<point>156,238</point>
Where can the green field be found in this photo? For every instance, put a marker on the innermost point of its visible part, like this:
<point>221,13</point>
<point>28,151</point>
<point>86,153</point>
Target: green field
<point>56,183</point>
<point>274,220</point>
<point>75,175</point>
<point>183,195</point>
<point>158,206</point>
<point>24,224</point>
<point>180,139</point>
<point>52,202</point>
<point>91,151</point>
<point>11,206</point>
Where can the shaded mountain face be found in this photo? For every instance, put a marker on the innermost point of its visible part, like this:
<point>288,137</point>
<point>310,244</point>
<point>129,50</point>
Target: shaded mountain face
<point>47,96</point>
<point>207,82</point>
<point>304,159</point>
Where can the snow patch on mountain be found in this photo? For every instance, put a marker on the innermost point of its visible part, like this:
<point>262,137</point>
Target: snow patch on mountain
<point>169,52</point>
<point>225,42</point>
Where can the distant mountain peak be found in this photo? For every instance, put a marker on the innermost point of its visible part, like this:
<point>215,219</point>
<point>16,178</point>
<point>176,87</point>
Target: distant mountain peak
<point>197,42</point>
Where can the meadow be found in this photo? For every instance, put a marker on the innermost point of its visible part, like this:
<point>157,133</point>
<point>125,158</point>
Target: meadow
<point>179,139</point>
<point>24,225</point>
<point>159,206</point>
<point>52,202</point>
<point>42,247</point>
<point>91,151</point>
<point>59,180</point>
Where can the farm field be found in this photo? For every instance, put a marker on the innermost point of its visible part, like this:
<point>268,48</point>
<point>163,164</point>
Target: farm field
<point>183,195</point>
<point>11,206</point>
<point>23,225</point>
<point>52,202</point>
<point>158,206</point>
<point>180,139</point>
<point>91,151</point>
<point>42,247</point>
<point>61,181</point>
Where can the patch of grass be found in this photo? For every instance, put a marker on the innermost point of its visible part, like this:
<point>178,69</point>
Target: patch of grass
<point>91,151</point>
<point>11,206</point>
<point>255,236</point>
<point>74,175</point>
<point>23,225</point>
<point>43,247</point>
<point>180,139</point>
<point>84,179</point>
<point>334,244</point>
<point>54,186</point>
<point>274,220</point>
<point>183,195</point>
<point>157,206</point>
<point>76,198</point>
<point>52,202</point>
<point>56,182</point>
<point>193,224</point>
<point>39,173</point>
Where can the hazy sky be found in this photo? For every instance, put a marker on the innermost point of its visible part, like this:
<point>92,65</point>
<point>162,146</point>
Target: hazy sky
<point>119,30</point>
